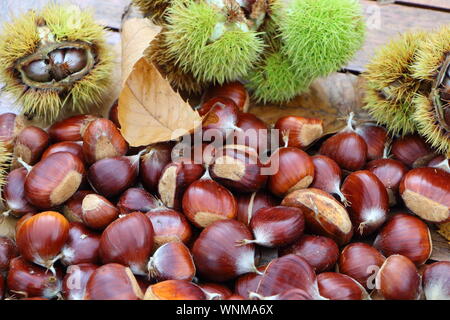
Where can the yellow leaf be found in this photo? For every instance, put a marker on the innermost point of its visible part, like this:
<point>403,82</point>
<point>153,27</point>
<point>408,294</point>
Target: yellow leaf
<point>149,110</point>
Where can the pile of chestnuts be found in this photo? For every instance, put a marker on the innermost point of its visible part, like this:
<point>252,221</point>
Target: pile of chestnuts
<point>339,217</point>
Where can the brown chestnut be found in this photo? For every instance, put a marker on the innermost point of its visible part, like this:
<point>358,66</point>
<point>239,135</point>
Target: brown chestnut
<point>14,193</point>
<point>320,252</point>
<point>172,261</point>
<point>72,208</point>
<point>231,90</point>
<point>412,150</point>
<point>41,238</point>
<point>152,163</point>
<point>81,246</point>
<point>8,251</point>
<point>368,201</point>
<point>436,281</point>
<point>248,204</point>
<point>277,226</point>
<point>97,212</point>
<point>54,180</point>
<point>205,201</point>
<point>128,241</point>
<point>70,129</point>
<point>293,170</point>
<point>174,290</point>
<point>30,144</point>
<point>102,140</point>
<point>75,280</point>
<point>175,179</point>
<point>376,139</point>
<point>426,192</point>
<point>136,199</point>
<point>398,279</point>
<point>361,261</point>
<point>217,253</point>
<point>113,281</point>
<point>338,286</point>
<point>73,147</point>
<point>238,168</point>
<point>169,225</point>
<point>406,235</point>
<point>299,132</point>
<point>324,215</point>
<point>327,176</point>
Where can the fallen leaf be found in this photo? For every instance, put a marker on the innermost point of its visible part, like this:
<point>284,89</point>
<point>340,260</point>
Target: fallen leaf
<point>330,99</point>
<point>149,110</point>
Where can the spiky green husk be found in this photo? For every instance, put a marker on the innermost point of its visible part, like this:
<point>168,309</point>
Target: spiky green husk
<point>432,54</point>
<point>390,70</point>
<point>158,54</point>
<point>274,80</point>
<point>190,38</point>
<point>425,117</point>
<point>21,38</point>
<point>320,36</point>
<point>390,85</point>
<point>154,9</point>
<point>396,116</point>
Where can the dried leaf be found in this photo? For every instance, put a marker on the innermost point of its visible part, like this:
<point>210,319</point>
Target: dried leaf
<point>149,109</point>
<point>441,247</point>
<point>329,99</point>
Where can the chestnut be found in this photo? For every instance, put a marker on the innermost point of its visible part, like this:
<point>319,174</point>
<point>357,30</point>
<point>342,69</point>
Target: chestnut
<point>70,129</point>
<point>248,204</point>
<point>169,225</point>
<point>30,144</point>
<point>113,281</point>
<point>220,120</point>
<point>175,179</point>
<point>29,280</point>
<point>54,180</point>
<point>10,127</point>
<point>440,162</point>
<point>72,208</point>
<point>216,252</point>
<point>136,199</point>
<point>238,168</point>
<point>2,287</point>
<point>277,226</point>
<point>347,148</point>
<point>128,241</point>
<point>113,113</point>
<point>215,291</point>
<point>172,261</point>
<point>436,281</point>
<point>81,246</point>
<point>8,251</point>
<point>426,192</point>
<point>97,211</point>
<point>73,147</point>
<point>75,280</point>
<point>321,252</point>
<point>412,150</point>
<point>293,170</point>
<point>152,163</point>
<point>300,132</point>
<point>337,286</point>
<point>232,90</point>
<point>174,290</point>
<point>205,201</point>
<point>102,140</point>
<point>398,279</point>
<point>405,235</point>
<point>327,176</point>
<point>286,273</point>
<point>253,133</point>
<point>14,193</point>
<point>324,215</point>
<point>369,202</point>
<point>41,238</point>
<point>360,261</point>
<point>390,172</point>
<point>248,283</point>
<point>112,176</point>
<point>376,139</point>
